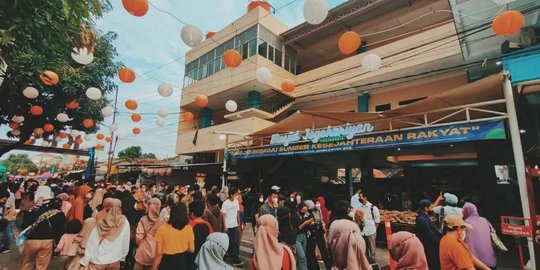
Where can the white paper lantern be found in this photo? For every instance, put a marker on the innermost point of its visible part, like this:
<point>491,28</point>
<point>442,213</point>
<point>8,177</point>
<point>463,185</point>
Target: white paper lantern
<point>89,137</point>
<point>162,112</point>
<point>93,93</point>
<point>160,121</point>
<point>503,2</point>
<point>113,127</point>
<point>62,117</point>
<point>231,106</point>
<point>107,111</point>
<point>81,56</point>
<point>74,133</point>
<point>371,62</point>
<point>15,132</point>
<point>18,119</point>
<point>58,139</point>
<point>263,75</point>
<point>165,90</point>
<point>191,35</point>
<point>30,92</point>
<point>315,11</point>
<point>83,147</point>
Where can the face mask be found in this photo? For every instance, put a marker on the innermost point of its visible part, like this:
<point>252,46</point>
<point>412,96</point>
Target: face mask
<point>275,200</point>
<point>261,199</point>
<point>351,214</point>
<point>292,199</point>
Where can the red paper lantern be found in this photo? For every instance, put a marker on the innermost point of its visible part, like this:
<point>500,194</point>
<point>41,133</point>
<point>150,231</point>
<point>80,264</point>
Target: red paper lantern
<point>65,146</point>
<point>232,58</point>
<point>508,23</point>
<point>188,116</point>
<point>201,100</point>
<point>13,125</point>
<point>100,136</point>
<point>126,75</point>
<point>72,105</point>
<point>49,78</point>
<point>131,104</point>
<point>288,85</point>
<point>253,4</point>
<point>79,141</point>
<point>36,110</point>
<point>136,8</point>
<point>136,131</point>
<point>88,123</point>
<point>63,135</point>
<point>30,141</point>
<point>48,127</point>
<point>108,139</point>
<point>349,42</point>
<point>209,35</point>
<point>136,117</point>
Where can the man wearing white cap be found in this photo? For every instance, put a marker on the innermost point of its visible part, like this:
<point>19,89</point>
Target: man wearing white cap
<point>450,208</point>
<point>276,188</point>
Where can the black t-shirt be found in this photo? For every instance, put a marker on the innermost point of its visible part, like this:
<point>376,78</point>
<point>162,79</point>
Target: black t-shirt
<point>297,220</point>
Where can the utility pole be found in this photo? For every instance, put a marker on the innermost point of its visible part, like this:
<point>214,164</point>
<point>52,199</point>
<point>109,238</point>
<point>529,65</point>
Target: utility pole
<point>111,149</point>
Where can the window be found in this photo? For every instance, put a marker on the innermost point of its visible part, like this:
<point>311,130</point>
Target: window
<point>270,53</point>
<point>263,49</point>
<point>252,47</point>
<point>383,107</point>
<point>409,101</point>
<point>245,50</point>
<point>277,57</point>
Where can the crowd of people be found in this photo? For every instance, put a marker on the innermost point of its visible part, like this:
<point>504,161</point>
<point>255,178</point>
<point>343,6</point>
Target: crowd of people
<point>124,226</point>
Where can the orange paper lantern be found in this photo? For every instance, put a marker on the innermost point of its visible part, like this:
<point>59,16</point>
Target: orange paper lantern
<point>232,58</point>
<point>209,35</point>
<point>99,147</point>
<point>49,78</point>
<point>126,75</point>
<point>48,127</point>
<point>88,123</point>
<point>36,110</point>
<point>136,131</point>
<point>63,135</point>
<point>65,146</point>
<point>29,141</point>
<point>79,141</point>
<point>131,104</point>
<point>108,139</point>
<point>188,116</point>
<point>136,117</point>
<point>100,136</point>
<point>13,125</point>
<point>136,8</point>
<point>508,23</point>
<point>72,105</point>
<point>349,42</point>
<point>288,85</point>
<point>201,100</point>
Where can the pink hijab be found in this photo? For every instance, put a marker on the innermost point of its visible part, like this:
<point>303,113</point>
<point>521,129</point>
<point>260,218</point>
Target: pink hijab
<point>407,250</point>
<point>347,246</point>
<point>268,253</point>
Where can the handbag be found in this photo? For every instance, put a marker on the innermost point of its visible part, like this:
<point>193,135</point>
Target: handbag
<point>495,240</point>
<point>24,234</point>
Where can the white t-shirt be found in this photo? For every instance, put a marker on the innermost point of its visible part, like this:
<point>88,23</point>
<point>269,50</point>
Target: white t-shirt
<point>230,209</point>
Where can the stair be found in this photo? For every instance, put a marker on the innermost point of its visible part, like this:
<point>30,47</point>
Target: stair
<point>271,107</point>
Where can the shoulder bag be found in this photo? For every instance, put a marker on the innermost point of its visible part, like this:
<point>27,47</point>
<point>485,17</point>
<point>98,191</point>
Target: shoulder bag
<point>24,234</point>
<point>495,240</point>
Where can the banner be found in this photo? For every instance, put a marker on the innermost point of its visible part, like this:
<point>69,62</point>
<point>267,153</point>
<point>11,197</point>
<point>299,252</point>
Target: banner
<point>487,130</point>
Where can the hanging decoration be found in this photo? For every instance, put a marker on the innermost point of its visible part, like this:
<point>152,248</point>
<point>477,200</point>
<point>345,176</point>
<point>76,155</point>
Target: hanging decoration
<point>371,62</point>
<point>508,23</point>
<point>100,136</point>
<point>162,112</point>
<point>62,135</point>
<point>160,121</point>
<point>65,146</point>
<point>191,35</point>
<point>165,90</point>
<point>232,58</point>
<point>13,125</point>
<point>30,141</point>
<point>79,141</point>
<point>74,133</point>
<point>231,105</point>
<point>315,11</point>
<point>136,131</point>
<point>48,127</point>
<point>38,131</point>
<point>209,35</point>
<point>100,147</point>
<point>254,4</point>
<point>113,127</point>
<point>137,8</point>
<point>30,92</point>
<point>88,123</point>
<point>126,75</point>
<point>136,117</point>
<point>131,104</point>
<point>93,93</point>
<point>15,132</point>
<point>288,85</point>
<point>62,117</point>
<point>72,105</point>
<point>82,56</point>
<point>89,137</point>
<point>18,119</point>
<point>263,75</point>
<point>108,139</point>
<point>44,143</point>
<point>107,111</point>
<point>188,116</point>
<point>349,42</point>
<point>201,100</point>
<point>49,78</point>
<point>36,110</point>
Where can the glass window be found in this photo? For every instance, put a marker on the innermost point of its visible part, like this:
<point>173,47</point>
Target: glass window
<point>263,49</point>
<point>277,57</point>
<point>219,51</point>
<point>251,33</point>
<point>287,62</point>
<point>229,44</point>
<point>245,51</point>
<point>270,53</point>
<point>211,68</point>
<point>252,47</point>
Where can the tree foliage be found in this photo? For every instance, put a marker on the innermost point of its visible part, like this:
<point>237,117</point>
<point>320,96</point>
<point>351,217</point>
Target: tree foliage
<point>40,35</point>
<point>148,155</point>
<point>19,161</point>
<point>130,153</point>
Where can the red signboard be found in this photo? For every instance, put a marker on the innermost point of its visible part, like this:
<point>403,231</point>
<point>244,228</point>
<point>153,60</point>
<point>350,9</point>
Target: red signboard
<point>516,226</point>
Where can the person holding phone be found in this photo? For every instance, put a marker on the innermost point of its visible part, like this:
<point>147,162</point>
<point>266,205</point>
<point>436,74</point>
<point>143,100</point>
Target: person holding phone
<point>301,221</point>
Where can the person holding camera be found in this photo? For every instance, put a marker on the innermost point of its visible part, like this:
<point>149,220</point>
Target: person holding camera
<point>316,238</point>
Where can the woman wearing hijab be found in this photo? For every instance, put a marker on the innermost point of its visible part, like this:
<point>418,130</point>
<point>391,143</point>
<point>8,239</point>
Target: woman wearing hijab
<point>77,206</point>
<point>211,255</point>
<point>407,250</point>
<point>269,254</point>
<point>144,238</point>
<point>347,246</point>
<point>108,243</point>
<point>479,236</point>
<point>79,244</point>
<point>97,200</point>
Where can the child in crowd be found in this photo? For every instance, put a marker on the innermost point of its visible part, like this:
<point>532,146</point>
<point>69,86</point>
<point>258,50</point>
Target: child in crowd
<point>64,246</point>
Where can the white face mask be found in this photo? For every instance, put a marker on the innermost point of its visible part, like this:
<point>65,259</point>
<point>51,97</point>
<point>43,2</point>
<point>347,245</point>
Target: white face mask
<point>351,214</point>
<point>292,199</point>
<point>275,200</point>
<point>261,200</point>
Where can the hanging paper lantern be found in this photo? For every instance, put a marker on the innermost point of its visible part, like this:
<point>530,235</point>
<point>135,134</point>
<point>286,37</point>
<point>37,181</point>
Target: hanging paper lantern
<point>232,58</point>
<point>126,75</point>
<point>58,139</point>
<point>75,133</point>
<point>49,78</point>
<point>315,11</point>
<point>72,105</point>
<point>62,117</point>
<point>191,35</point>
<point>30,141</point>
<point>165,90</point>
<point>93,93</point>
<point>508,23</point>
<point>13,125</point>
<point>62,135</point>
<point>48,127</point>
<point>136,8</point>
<point>288,85</point>
<point>263,75</point>
<point>18,119</point>
<point>79,141</point>
<point>36,110</point>
<point>162,112</point>
<point>82,56</point>
<point>15,132</point>
<point>349,42</point>
<point>65,146</point>
<point>100,136</point>
<point>113,127</point>
<point>136,117</point>
<point>160,121</point>
<point>100,147</point>
<point>201,100</point>
<point>131,104</point>
<point>107,111</point>
<point>254,4</point>
<point>44,143</point>
<point>38,131</point>
<point>209,35</point>
<point>188,116</point>
<point>371,62</point>
<point>30,92</point>
<point>88,123</point>
<point>108,139</point>
<point>136,131</point>
<point>231,105</point>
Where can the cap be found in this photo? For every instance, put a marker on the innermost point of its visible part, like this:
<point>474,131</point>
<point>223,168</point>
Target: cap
<point>424,203</point>
<point>450,198</point>
<point>453,221</point>
<point>274,187</point>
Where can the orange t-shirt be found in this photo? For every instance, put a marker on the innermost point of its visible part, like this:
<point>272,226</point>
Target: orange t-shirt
<point>454,254</point>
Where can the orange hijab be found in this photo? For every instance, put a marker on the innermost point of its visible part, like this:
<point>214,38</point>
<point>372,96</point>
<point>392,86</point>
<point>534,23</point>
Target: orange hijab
<point>77,207</point>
